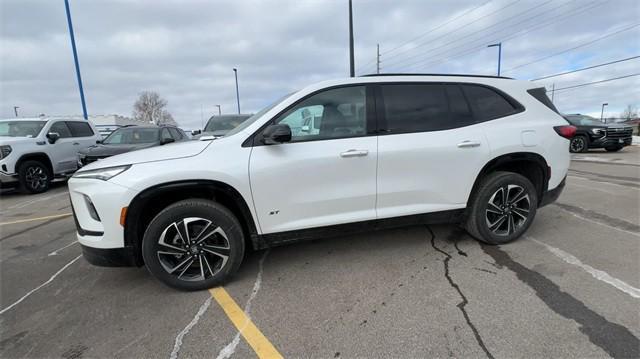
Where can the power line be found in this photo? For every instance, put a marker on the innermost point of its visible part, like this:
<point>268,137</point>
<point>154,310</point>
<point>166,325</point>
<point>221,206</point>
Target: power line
<point>478,31</point>
<point>517,34</point>
<point>586,68</point>
<point>457,29</point>
<point>573,48</point>
<point>436,28</point>
<point>596,82</point>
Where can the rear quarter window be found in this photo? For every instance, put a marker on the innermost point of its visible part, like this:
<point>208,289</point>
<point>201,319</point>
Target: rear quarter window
<point>540,94</point>
<point>80,129</point>
<point>488,104</point>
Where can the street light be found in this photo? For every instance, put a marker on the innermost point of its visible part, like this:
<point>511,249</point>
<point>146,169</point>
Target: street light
<point>75,59</point>
<point>602,111</point>
<point>219,111</point>
<point>499,45</point>
<point>235,71</point>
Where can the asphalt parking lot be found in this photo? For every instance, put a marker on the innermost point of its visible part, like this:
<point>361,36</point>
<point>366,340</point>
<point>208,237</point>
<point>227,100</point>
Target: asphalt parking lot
<point>570,288</point>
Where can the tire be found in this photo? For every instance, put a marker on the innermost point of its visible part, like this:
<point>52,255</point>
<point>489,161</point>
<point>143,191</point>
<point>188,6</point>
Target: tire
<point>34,177</point>
<point>214,233</point>
<point>483,218</point>
<point>613,149</point>
<point>578,144</point>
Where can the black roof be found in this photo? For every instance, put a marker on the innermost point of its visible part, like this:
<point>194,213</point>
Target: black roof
<point>453,75</point>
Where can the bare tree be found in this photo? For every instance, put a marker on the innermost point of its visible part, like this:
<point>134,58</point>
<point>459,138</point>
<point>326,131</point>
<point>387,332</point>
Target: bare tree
<point>150,107</point>
<point>630,112</point>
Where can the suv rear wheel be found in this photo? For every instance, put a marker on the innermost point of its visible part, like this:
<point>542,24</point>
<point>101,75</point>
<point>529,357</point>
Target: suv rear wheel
<point>34,177</point>
<point>193,244</point>
<point>578,144</point>
<point>502,208</point>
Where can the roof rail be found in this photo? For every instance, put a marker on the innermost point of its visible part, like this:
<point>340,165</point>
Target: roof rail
<point>452,75</point>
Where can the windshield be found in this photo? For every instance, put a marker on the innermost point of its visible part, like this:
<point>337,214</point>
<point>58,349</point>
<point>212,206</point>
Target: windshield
<point>132,136</point>
<point>224,123</point>
<point>21,128</point>
<point>253,118</point>
<point>583,120</point>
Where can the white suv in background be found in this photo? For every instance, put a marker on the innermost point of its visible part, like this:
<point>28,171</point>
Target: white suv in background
<point>384,151</point>
<point>35,150</point>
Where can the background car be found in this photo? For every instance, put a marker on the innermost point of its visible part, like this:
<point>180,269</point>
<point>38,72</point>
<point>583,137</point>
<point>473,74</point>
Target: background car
<point>593,133</point>
<point>130,138</point>
<point>218,126</point>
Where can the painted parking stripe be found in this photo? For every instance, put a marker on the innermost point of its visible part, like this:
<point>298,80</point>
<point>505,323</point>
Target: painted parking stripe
<point>596,273</point>
<point>260,344</point>
<point>36,219</point>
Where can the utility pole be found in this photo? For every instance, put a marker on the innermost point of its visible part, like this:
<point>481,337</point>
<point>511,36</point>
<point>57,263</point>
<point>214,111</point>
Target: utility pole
<point>553,91</point>
<point>75,59</point>
<point>219,111</point>
<point>15,110</point>
<point>378,58</point>
<point>235,71</point>
<point>352,68</point>
<point>499,45</point>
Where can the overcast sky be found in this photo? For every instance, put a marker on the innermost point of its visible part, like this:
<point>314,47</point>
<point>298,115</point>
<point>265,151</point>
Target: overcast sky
<point>185,50</point>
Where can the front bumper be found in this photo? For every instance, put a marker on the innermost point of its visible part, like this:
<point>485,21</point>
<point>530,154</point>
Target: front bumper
<point>610,142</point>
<point>110,257</point>
<point>8,180</point>
<point>552,195</point>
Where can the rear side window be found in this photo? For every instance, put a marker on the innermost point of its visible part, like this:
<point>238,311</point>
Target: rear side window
<point>487,104</point>
<point>415,107</point>
<point>61,129</point>
<point>540,94</point>
<point>459,111</point>
<point>80,129</point>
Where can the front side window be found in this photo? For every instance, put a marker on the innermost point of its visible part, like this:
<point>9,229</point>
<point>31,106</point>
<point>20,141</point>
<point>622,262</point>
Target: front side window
<point>487,104</point>
<point>165,134</point>
<point>80,129</point>
<point>415,108</point>
<point>132,135</point>
<point>61,129</point>
<point>21,128</point>
<point>175,133</point>
<point>335,113</point>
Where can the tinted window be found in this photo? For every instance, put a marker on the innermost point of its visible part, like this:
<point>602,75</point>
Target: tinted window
<point>132,135</point>
<point>61,128</point>
<point>487,104</point>
<point>165,134</point>
<point>459,111</point>
<point>329,114</point>
<point>540,94</point>
<point>80,129</point>
<point>415,108</point>
<point>176,134</point>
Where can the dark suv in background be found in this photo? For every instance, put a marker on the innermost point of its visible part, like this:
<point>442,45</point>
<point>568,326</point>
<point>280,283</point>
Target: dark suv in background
<point>130,138</point>
<point>593,133</point>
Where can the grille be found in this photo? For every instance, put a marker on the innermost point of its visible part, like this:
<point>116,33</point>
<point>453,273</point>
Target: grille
<point>619,132</point>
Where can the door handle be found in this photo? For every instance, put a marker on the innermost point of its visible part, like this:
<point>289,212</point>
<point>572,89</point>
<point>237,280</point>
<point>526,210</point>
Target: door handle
<point>76,143</point>
<point>354,153</point>
<point>468,144</point>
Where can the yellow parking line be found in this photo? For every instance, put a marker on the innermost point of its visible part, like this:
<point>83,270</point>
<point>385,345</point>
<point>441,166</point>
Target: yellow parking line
<point>36,219</point>
<point>260,344</point>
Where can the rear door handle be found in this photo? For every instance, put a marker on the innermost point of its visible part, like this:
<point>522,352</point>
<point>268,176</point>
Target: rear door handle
<point>354,153</point>
<point>468,144</point>
<point>76,143</point>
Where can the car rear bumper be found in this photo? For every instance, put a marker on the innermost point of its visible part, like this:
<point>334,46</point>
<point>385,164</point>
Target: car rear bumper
<point>552,195</point>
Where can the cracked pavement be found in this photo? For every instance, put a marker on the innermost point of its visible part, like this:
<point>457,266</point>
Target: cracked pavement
<point>423,291</point>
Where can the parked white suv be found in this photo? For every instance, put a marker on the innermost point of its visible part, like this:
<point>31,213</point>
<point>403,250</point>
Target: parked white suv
<point>35,150</point>
<point>388,151</point>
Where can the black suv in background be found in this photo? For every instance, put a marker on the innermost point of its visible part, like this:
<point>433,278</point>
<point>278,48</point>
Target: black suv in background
<point>130,138</point>
<point>593,133</point>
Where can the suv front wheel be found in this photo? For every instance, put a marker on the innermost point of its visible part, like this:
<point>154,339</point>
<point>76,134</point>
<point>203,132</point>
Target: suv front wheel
<point>34,177</point>
<point>193,244</point>
<point>502,208</point>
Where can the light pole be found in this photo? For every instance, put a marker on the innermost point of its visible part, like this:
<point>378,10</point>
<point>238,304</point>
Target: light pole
<point>75,59</point>
<point>15,110</point>
<point>602,111</point>
<point>219,111</point>
<point>352,67</point>
<point>235,71</point>
<point>499,45</point>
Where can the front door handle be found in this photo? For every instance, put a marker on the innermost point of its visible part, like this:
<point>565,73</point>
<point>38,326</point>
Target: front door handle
<point>76,143</point>
<point>354,153</point>
<point>468,144</point>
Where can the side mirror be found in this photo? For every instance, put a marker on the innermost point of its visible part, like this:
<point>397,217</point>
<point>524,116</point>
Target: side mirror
<point>98,142</point>
<point>196,132</point>
<point>275,134</point>
<point>164,141</point>
<point>53,137</point>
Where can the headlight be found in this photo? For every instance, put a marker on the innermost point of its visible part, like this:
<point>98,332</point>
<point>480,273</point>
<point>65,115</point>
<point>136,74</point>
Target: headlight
<point>5,151</point>
<point>102,173</point>
<point>598,131</point>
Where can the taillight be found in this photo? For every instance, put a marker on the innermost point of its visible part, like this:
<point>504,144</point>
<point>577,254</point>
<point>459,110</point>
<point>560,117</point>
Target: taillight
<point>566,131</point>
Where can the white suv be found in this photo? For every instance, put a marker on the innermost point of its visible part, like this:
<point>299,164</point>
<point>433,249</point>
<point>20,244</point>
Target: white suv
<point>35,150</point>
<point>388,151</point>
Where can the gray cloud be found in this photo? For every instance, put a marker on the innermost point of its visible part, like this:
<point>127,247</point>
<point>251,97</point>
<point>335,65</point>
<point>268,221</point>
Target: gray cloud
<point>185,50</point>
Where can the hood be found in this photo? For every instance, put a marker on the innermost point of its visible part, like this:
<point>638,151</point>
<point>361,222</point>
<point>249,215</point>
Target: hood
<point>105,150</point>
<point>8,140</point>
<point>158,153</point>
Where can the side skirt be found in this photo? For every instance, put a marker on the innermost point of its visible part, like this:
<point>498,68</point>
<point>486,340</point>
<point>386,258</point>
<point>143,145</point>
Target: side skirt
<point>281,238</point>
